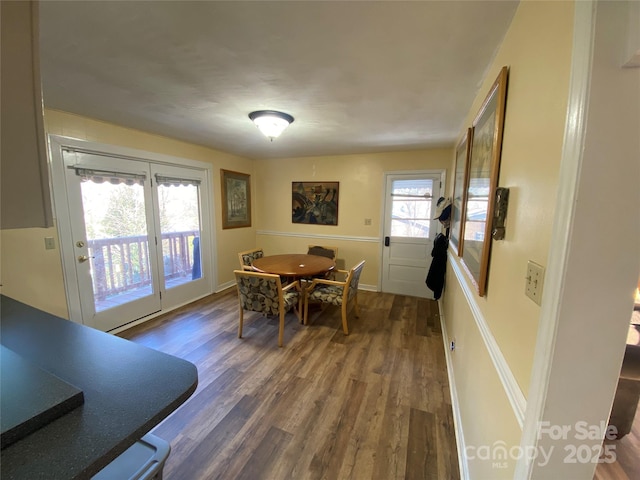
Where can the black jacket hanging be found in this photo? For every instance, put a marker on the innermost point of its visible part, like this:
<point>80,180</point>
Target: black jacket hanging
<point>435,277</point>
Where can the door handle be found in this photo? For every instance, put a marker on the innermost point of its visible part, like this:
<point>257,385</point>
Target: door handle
<point>83,258</point>
<point>386,241</point>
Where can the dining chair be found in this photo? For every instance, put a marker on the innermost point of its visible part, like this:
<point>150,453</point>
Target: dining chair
<point>334,292</point>
<point>248,256</point>
<point>323,251</point>
<point>264,293</point>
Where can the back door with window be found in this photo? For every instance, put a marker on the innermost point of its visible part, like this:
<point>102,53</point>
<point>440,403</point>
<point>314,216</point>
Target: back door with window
<point>409,231</point>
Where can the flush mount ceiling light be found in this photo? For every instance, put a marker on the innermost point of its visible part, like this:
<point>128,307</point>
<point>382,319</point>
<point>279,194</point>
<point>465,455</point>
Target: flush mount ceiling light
<point>270,122</point>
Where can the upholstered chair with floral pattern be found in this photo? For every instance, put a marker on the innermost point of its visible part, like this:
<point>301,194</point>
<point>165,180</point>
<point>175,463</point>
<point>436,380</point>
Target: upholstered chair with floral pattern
<point>263,292</point>
<point>334,292</point>
<point>248,256</point>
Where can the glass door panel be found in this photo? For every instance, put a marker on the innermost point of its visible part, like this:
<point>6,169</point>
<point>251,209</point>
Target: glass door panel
<point>411,207</point>
<point>180,231</point>
<point>117,240</point>
<point>136,235</point>
<point>183,233</point>
<point>112,226</point>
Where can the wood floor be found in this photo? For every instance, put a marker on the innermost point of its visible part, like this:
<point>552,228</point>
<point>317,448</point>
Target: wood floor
<point>627,450</point>
<point>372,405</point>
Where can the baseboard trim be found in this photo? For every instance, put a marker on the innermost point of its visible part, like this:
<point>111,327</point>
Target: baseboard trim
<point>142,320</point>
<point>512,389</point>
<point>224,286</point>
<point>455,404</point>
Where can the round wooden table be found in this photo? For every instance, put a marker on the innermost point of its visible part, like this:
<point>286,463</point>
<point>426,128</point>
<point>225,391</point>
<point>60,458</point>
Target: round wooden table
<point>294,265</point>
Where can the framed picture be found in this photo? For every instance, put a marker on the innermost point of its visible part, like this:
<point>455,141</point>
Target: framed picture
<point>315,202</point>
<point>236,199</point>
<point>456,233</point>
<point>482,181</point>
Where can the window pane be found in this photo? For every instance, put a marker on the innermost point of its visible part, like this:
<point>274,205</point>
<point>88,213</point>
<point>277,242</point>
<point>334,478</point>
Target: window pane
<point>116,226</point>
<point>180,229</point>
<point>413,187</point>
<point>411,207</point>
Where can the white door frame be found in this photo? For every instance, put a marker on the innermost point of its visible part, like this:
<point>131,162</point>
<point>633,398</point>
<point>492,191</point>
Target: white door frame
<point>442,173</point>
<point>61,212</point>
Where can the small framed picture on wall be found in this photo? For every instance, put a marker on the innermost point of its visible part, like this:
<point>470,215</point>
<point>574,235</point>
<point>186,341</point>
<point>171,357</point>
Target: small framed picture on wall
<point>236,199</point>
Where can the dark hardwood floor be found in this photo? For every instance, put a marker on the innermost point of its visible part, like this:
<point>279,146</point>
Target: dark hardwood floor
<point>372,405</point>
<point>627,454</point>
<point>627,449</point>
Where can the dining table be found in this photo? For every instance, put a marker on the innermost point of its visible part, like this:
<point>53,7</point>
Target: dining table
<point>294,265</point>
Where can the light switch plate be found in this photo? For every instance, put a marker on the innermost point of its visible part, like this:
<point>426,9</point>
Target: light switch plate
<point>535,280</point>
<point>49,243</point>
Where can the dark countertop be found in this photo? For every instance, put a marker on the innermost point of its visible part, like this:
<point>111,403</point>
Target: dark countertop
<point>31,397</point>
<point>128,389</point>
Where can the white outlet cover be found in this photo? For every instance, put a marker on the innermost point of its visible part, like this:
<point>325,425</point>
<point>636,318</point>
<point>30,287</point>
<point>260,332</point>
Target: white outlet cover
<point>534,282</point>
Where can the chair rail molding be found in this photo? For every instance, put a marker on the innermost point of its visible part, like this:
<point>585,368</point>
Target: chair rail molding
<point>350,238</point>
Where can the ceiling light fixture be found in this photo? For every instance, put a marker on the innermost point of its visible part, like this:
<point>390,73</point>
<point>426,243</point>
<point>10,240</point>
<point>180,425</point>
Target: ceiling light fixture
<point>270,122</point>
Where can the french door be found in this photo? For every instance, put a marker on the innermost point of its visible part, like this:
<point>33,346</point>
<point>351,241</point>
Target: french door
<point>138,234</point>
<point>409,231</point>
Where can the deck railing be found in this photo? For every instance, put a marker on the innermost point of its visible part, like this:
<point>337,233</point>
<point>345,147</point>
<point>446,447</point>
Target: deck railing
<point>122,264</point>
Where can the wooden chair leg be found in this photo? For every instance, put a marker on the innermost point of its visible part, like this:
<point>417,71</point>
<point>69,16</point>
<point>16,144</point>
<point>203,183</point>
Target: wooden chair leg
<point>345,328</point>
<point>299,312</point>
<point>241,322</point>
<point>281,328</point>
<point>306,309</point>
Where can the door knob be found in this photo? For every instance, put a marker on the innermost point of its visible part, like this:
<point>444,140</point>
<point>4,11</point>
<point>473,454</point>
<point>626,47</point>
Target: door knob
<point>83,258</point>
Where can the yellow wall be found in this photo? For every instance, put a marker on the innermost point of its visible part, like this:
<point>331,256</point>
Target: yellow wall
<point>38,279</point>
<point>537,49</point>
<point>30,273</point>
<point>484,408</point>
<point>361,180</point>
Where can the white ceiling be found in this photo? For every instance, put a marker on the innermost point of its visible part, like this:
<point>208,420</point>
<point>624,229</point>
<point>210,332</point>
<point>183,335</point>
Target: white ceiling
<point>357,76</point>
